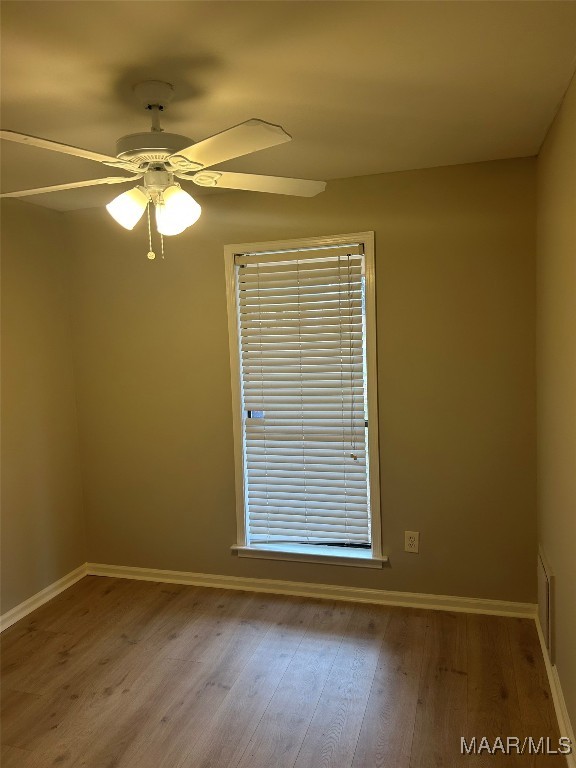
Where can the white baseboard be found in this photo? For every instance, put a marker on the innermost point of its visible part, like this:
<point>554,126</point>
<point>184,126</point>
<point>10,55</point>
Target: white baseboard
<point>302,589</point>
<point>560,708</point>
<point>23,609</point>
<point>325,591</point>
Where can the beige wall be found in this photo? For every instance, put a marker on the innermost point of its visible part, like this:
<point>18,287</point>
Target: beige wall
<point>455,253</point>
<point>557,379</point>
<point>42,519</point>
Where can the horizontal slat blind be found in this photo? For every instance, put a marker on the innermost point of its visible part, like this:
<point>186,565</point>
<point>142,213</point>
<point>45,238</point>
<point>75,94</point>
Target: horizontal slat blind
<point>302,355</point>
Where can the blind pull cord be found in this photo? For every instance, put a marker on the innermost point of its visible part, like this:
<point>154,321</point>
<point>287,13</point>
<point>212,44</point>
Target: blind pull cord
<point>342,394</point>
<point>301,394</point>
<point>353,455</point>
<point>263,405</point>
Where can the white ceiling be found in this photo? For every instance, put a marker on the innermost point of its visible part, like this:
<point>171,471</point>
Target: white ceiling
<point>363,87</point>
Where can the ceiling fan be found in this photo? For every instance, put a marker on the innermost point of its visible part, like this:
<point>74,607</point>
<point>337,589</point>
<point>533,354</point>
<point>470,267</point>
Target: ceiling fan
<point>159,158</point>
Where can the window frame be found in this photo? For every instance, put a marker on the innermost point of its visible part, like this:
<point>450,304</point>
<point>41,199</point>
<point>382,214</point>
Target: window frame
<point>372,558</point>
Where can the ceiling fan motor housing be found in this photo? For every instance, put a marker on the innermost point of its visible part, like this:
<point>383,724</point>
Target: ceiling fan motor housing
<point>150,147</point>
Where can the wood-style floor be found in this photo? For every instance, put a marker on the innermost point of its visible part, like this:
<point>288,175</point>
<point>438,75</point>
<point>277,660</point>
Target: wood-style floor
<point>115,673</point>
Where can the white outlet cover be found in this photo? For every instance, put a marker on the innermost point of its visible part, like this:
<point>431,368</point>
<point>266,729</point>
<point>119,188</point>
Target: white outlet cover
<point>411,541</point>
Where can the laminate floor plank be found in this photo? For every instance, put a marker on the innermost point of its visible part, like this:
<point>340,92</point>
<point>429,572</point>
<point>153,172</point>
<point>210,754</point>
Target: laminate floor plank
<point>385,738</point>
<point>442,695</point>
<point>93,601</point>
<point>230,729</point>
<point>110,710</point>
<point>32,722</point>
<point>176,633</point>
<point>493,705</point>
<point>123,728</point>
<point>25,653</point>
<point>116,673</point>
<point>12,757</point>
<point>21,640</point>
<point>65,606</point>
<point>18,713</point>
<point>160,604</point>
<point>117,704</point>
<point>332,735</point>
<point>212,626</point>
<point>70,663</point>
<point>185,713</point>
<point>281,731</point>
<point>536,705</point>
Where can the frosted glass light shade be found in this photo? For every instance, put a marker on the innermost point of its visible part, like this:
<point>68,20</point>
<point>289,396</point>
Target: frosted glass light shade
<point>177,211</point>
<point>128,208</point>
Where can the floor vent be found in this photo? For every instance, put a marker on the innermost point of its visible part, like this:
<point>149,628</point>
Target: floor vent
<point>545,602</point>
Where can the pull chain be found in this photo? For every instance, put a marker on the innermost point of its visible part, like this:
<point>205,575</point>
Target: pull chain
<point>151,254</point>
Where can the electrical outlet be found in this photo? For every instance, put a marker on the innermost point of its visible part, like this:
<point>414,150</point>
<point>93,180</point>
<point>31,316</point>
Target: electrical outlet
<point>411,541</point>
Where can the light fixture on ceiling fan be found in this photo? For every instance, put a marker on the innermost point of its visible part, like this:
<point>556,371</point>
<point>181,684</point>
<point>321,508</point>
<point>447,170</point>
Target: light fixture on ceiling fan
<point>176,210</point>
<point>163,159</point>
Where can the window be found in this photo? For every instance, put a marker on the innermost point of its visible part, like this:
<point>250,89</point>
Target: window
<point>301,319</point>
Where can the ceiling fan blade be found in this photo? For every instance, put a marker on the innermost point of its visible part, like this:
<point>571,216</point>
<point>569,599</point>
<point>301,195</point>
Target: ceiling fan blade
<point>73,185</point>
<point>251,136</point>
<point>66,149</point>
<point>252,182</point>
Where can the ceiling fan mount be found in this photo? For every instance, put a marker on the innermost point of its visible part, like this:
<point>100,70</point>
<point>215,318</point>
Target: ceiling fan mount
<point>154,93</point>
<point>151,150</point>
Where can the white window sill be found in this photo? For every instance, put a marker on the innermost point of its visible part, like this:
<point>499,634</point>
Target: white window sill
<point>306,554</point>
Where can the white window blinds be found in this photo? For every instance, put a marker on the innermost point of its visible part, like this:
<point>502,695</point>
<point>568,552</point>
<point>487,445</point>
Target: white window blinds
<point>302,359</point>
